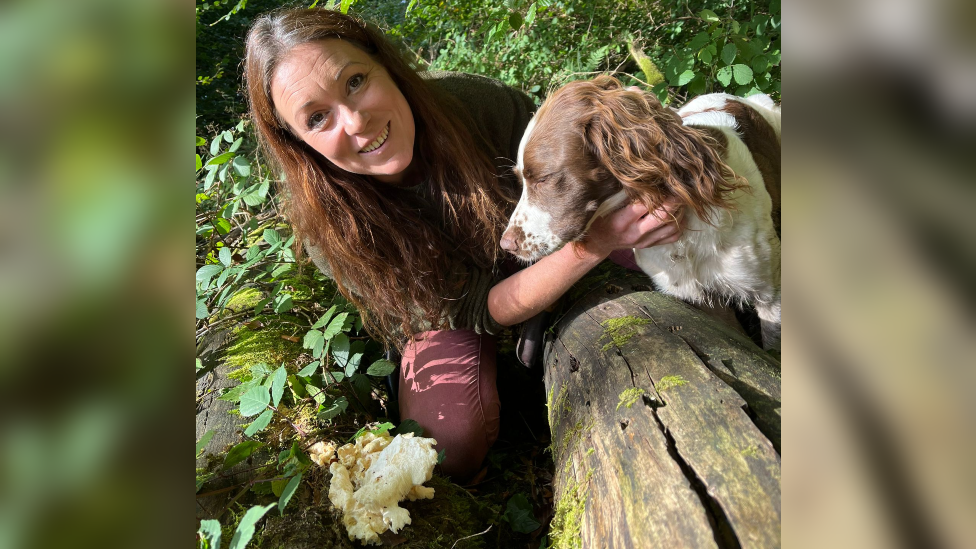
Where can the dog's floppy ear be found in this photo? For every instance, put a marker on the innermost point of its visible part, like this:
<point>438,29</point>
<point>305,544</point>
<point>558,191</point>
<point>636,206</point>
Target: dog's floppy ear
<point>645,146</point>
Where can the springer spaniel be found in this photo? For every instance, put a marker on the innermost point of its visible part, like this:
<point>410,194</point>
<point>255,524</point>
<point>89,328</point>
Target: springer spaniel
<point>595,146</point>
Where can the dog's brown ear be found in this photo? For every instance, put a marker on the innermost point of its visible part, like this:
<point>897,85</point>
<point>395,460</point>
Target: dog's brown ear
<point>645,146</point>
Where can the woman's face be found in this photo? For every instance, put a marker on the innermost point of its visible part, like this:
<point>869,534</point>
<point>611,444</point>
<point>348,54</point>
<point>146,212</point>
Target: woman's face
<point>343,104</point>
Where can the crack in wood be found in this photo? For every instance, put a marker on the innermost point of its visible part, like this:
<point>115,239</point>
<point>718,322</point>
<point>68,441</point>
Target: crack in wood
<point>724,534</point>
<point>748,394</point>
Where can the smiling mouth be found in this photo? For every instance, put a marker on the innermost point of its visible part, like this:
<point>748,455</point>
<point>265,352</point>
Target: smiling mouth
<point>378,142</point>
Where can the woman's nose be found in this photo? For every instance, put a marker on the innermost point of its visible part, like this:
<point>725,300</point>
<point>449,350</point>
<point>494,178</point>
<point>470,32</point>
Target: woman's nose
<point>354,121</point>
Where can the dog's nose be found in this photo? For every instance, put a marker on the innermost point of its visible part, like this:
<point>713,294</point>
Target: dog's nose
<point>508,244</point>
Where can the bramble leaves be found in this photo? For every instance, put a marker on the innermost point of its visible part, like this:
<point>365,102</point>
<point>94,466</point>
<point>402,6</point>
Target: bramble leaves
<point>255,401</point>
<point>204,440</point>
<point>210,531</point>
<point>260,423</point>
<point>245,530</point>
<point>381,367</point>
<point>240,452</point>
<point>288,492</point>
<point>278,385</point>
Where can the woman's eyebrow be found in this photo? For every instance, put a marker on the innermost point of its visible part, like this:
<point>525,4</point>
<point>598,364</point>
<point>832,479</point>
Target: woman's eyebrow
<point>346,66</point>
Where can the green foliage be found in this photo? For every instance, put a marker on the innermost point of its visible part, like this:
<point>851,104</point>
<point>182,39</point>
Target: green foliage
<point>299,346</point>
<point>629,397</point>
<point>519,514</point>
<point>670,382</point>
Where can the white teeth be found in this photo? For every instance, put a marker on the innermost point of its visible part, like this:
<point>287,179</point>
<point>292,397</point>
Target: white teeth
<point>379,140</point>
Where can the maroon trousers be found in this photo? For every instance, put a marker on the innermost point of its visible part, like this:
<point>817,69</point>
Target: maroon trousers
<point>447,385</point>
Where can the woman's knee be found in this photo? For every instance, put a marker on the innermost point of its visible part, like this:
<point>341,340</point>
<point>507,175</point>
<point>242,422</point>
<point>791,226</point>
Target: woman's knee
<point>447,385</point>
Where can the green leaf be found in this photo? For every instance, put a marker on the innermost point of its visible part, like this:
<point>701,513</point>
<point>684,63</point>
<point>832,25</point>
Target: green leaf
<point>255,197</point>
<point>199,163</point>
<point>353,365</point>
<point>325,318</point>
<point>215,145</point>
<point>344,8</point>
<point>205,273</point>
<point>255,401</point>
<point>297,386</point>
<point>218,160</point>
<point>310,369</point>
<point>241,452</point>
<point>225,256</point>
<point>271,236</point>
<point>683,78</point>
<point>228,137</point>
<point>382,428</point>
<point>728,53</point>
<point>210,529</point>
<point>336,325</point>
<point>724,76</point>
<point>242,166</point>
<point>440,456</point>
<point>202,311</point>
<point>222,225</point>
<point>260,423</point>
<point>381,367</point>
<point>334,376</point>
<point>742,74</point>
<point>709,16</point>
<point>278,385</point>
<point>760,63</point>
<point>288,492</point>
<point>515,20</point>
<point>699,41</point>
<point>697,86</point>
<point>661,92</point>
<point>245,530</point>
<point>202,443</point>
<point>236,145</point>
<point>408,426</point>
<point>283,303</point>
<point>235,394</point>
<point>519,514</point>
<point>530,15</point>
<point>312,338</point>
<point>338,406</point>
<point>340,349</point>
<point>201,141</point>
<point>260,369</point>
<point>706,56</point>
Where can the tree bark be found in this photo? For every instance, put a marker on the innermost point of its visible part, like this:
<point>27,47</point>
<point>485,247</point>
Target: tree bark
<point>665,425</point>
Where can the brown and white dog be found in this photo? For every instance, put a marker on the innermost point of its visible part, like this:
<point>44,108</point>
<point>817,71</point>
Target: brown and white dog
<point>595,146</point>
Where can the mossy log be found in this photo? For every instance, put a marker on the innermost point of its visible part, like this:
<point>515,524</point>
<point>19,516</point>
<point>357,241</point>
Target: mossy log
<point>665,425</point>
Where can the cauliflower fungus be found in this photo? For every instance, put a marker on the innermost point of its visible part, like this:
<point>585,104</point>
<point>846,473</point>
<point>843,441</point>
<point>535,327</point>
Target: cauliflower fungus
<point>372,476</point>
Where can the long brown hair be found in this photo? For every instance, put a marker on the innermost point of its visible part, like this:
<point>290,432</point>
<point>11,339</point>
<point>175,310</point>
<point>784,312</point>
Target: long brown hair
<point>390,260</point>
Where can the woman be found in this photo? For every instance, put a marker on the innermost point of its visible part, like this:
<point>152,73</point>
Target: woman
<point>400,185</point>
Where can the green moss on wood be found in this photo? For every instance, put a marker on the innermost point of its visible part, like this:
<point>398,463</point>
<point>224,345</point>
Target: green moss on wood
<point>243,299</point>
<point>629,397</point>
<point>620,330</point>
<point>567,522</point>
<point>265,344</point>
<point>670,382</point>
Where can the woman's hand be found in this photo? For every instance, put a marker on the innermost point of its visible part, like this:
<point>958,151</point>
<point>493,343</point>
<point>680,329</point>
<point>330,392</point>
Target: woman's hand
<point>634,227</point>
<point>525,293</point>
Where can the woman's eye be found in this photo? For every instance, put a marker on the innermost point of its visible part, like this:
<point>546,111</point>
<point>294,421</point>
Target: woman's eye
<point>315,120</point>
<point>356,81</point>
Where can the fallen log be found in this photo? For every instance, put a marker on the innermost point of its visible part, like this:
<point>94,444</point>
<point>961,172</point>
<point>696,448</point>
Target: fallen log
<point>665,425</point>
